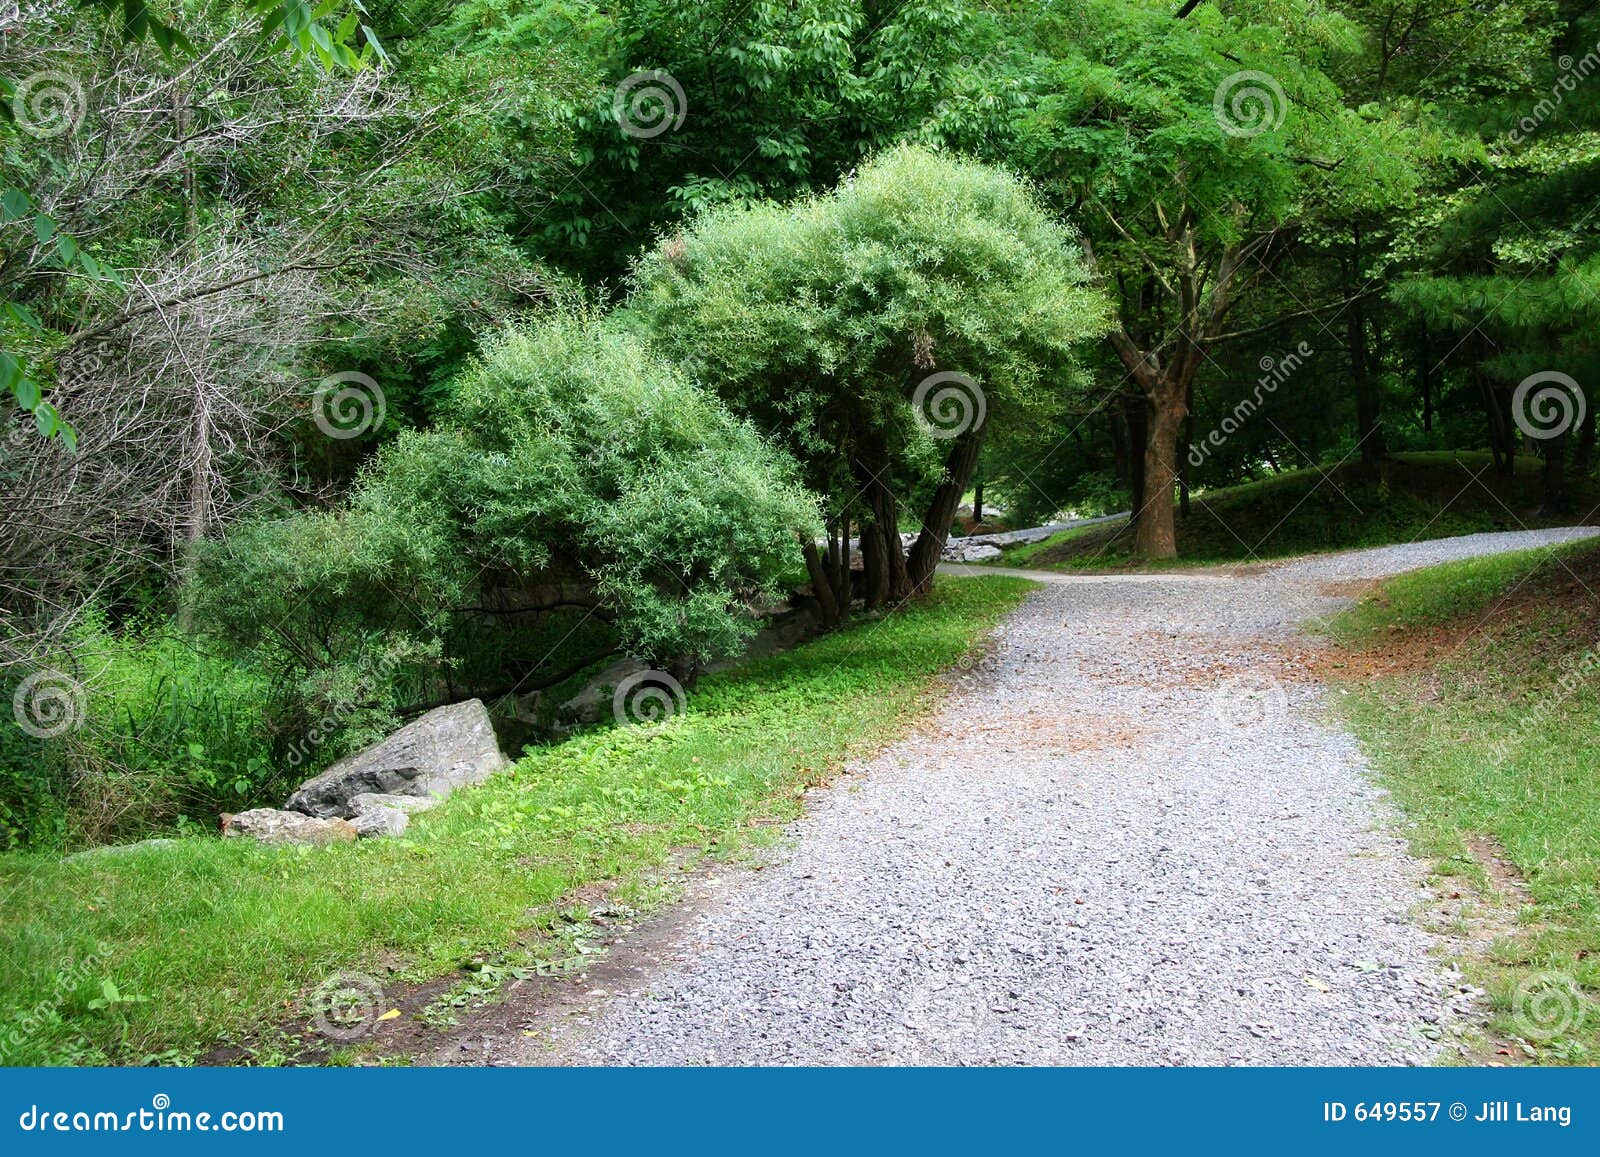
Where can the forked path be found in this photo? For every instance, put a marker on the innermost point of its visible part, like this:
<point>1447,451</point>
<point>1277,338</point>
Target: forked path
<point>1135,838</point>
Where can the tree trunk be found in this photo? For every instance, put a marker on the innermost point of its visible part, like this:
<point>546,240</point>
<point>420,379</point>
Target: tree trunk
<point>1156,534</point>
<point>885,514</point>
<point>958,467</point>
<point>977,504</point>
<point>1368,432</point>
<point>1502,442</point>
<point>1136,412</point>
<point>1583,454</point>
<point>1556,500</point>
<point>821,586</point>
<point>1183,451</point>
<point>1425,381</point>
<point>874,565</point>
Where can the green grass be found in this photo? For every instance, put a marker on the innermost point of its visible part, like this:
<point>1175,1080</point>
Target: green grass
<point>210,943</point>
<point>1500,739</point>
<point>1412,496</point>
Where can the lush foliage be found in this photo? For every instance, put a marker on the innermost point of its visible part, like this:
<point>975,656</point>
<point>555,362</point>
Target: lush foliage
<point>579,476</point>
<point>835,322</point>
<point>228,934</point>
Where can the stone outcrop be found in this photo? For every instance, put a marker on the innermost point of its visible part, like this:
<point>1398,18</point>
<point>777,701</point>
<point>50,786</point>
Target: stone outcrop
<point>447,748</point>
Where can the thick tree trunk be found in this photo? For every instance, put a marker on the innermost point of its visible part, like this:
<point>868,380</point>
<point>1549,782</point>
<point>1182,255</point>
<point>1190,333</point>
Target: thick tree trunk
<point>874,565</point>
<point>1156,534</point>
<point>821,584</point>
<point>958,467</point>
<point>885,515</point>
<point>977,503</point>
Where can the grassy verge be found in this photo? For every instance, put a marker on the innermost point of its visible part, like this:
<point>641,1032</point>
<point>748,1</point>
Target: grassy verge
<point>1491,745</point>
<point>165,953</point>
<point>1412,496</point>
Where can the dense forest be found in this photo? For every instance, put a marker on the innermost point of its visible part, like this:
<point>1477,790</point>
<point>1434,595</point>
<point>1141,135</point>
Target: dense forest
<point>359,360</point>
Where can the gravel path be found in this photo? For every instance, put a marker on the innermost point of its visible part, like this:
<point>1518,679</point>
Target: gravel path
<point>1132,837</point>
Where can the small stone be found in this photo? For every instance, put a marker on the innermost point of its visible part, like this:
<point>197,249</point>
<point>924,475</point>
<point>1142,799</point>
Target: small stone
<point>271,826</point>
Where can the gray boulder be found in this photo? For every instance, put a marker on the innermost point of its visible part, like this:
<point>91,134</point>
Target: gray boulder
<point>593,702</point>
<point>410,804</point>
<point>386,815</point>
<point>381,821</point>
<point>447,748</point>
<point>974,548</point>
<point>271,826</point>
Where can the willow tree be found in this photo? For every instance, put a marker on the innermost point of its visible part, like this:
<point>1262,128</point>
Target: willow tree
<point>878,330</point>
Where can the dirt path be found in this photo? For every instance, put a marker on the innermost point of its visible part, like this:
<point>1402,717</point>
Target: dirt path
<point>1137,839</point>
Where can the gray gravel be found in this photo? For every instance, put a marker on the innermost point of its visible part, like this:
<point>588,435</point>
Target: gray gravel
<point>1132,836</point>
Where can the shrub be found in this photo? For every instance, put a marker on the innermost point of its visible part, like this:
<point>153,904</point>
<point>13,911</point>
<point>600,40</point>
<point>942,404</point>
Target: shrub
<point>583,497</point>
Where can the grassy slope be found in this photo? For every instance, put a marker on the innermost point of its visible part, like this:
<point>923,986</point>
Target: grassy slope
<point>1486,747</point>
<point>227,937</point>
<point>1431,495</point>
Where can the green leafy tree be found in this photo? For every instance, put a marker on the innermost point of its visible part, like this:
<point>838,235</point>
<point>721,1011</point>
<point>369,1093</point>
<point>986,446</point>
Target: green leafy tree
<point>1191,149</point>
<point>583,492</point>
<point>879,329</point>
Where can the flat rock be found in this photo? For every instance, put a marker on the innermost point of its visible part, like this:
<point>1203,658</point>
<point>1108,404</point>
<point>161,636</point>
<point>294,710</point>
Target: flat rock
<point>271,826</point>
<point>381,821</point>
<point>447,748</point>
<point>410,804</point>
<point>119,849</point>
